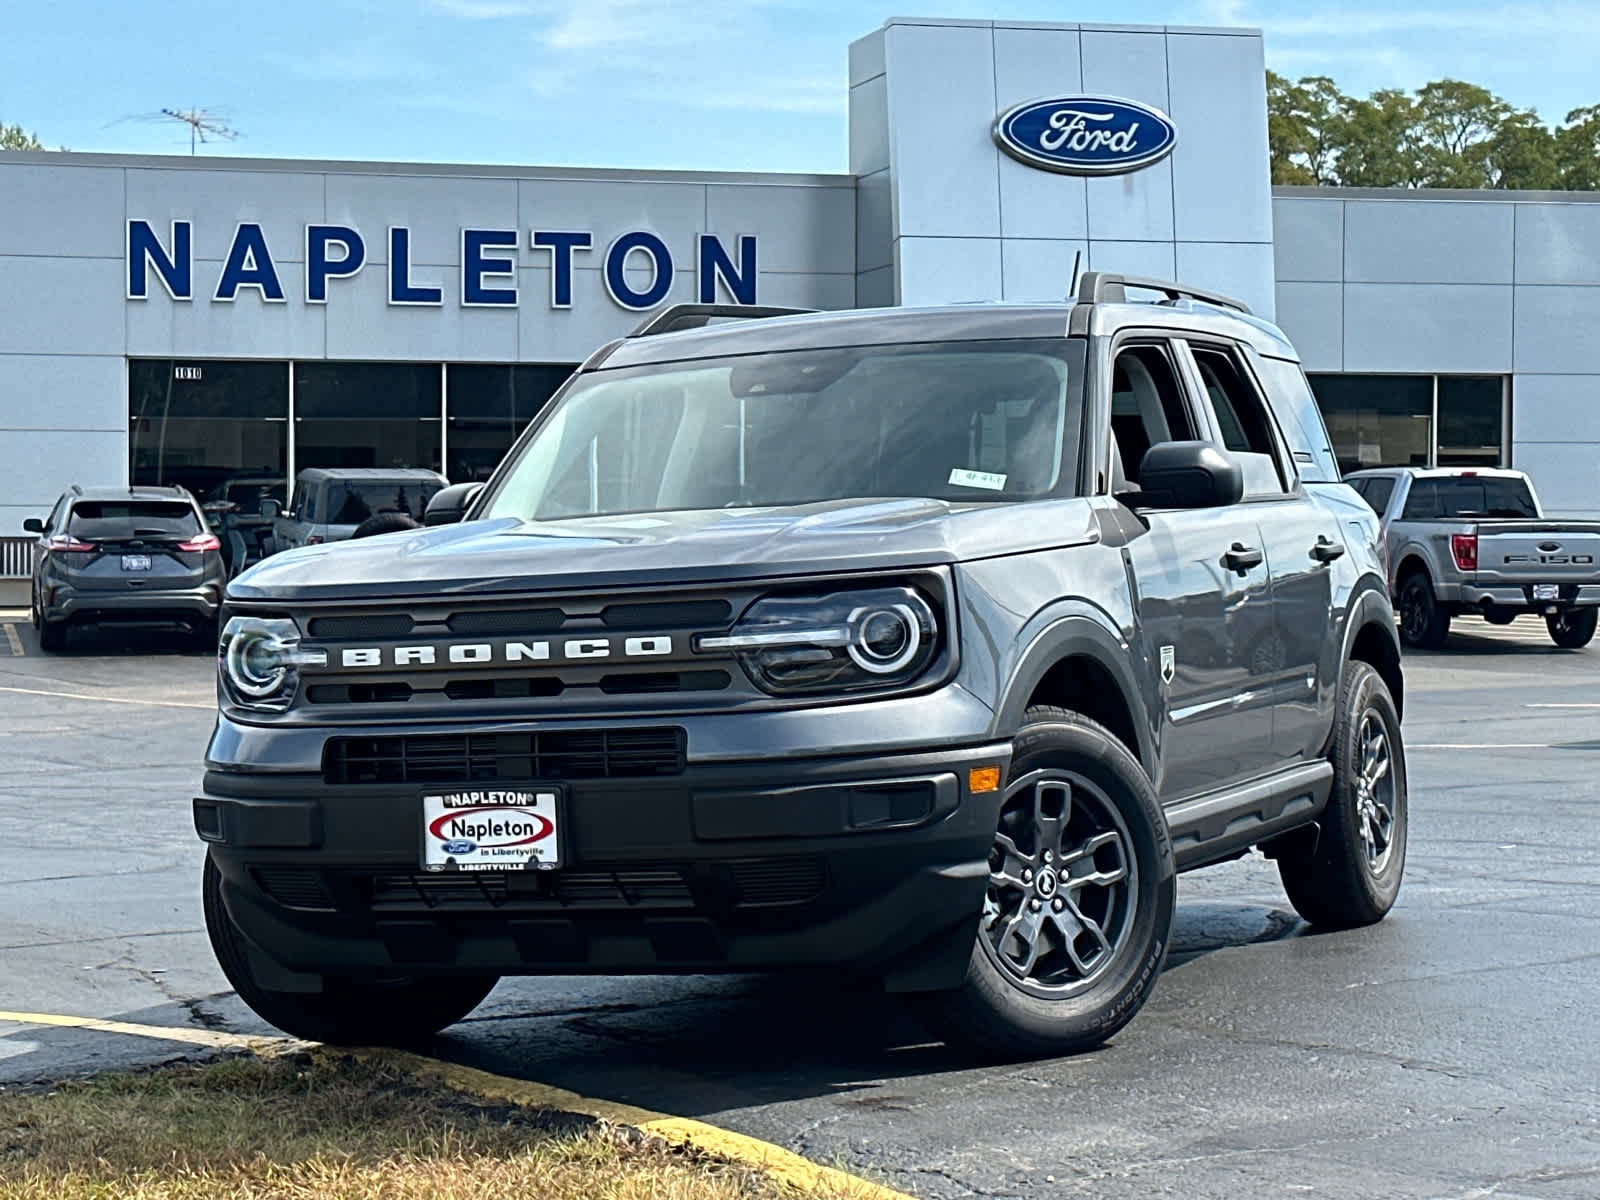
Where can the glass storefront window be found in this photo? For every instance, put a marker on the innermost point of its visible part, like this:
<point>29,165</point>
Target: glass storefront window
<point>1377,420</point>
<point>213,427</point>
<point>488,407</point>
<point>366,415</point>
<point>1471,420</point>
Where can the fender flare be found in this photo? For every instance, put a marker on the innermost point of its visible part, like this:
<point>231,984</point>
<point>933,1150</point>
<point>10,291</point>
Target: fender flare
<point>1369,608</point>
<point>1072,635</point>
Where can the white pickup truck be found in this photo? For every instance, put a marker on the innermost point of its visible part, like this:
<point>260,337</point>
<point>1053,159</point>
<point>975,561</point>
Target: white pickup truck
<point>1464,540</point>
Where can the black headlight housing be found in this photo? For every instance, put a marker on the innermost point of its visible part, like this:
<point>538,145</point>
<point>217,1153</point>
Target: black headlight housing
<point>839,642</point>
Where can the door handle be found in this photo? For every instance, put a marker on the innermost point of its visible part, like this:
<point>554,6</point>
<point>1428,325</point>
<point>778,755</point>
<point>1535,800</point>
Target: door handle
<point>1325,551</point>
<point>1241,558</point>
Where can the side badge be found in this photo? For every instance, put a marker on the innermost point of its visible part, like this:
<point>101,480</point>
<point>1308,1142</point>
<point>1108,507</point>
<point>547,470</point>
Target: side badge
<point>1169,663</point>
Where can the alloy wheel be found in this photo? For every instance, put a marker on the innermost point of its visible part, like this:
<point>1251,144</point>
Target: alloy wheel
<point>1062,884</point>
<point>1375,793</point>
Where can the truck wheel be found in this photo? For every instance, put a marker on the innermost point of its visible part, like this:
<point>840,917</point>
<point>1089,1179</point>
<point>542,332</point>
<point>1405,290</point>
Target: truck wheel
<point>1573,629</point>
<point>347,1012</point>
<point>1079,908</point>
<point>1350,873</point>
<point>1423,623</point>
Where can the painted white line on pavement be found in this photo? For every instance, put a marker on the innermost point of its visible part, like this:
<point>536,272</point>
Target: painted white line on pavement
<point>1479,746</point>
<point>15,642</point>
<point>1561,706</point>
<point>109,699</point>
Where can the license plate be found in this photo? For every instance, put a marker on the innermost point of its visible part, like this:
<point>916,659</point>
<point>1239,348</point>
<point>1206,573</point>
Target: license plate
<point>491,829</point>
<point>135,562</point>
<point>1547,591</point>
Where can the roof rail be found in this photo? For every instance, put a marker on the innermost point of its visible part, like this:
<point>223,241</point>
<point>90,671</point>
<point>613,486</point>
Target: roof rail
<point>1099,287</point>
<point>692,316</point>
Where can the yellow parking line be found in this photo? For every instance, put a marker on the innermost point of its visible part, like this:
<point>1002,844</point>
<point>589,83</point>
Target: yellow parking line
<point>108,699</point>
<point>783,1165</point>
<point>214,1038</point>
<point>774,1161</point>
<point>15,642</point>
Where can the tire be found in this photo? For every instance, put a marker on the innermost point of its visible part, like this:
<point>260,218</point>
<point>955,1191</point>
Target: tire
<point>384,522</point>
<point>347,1012</point>
<point>1573,629</point>
<point>1423,623</point>
<point>1066,989</point>
<point>52,635</point>
<point>1349,874</point>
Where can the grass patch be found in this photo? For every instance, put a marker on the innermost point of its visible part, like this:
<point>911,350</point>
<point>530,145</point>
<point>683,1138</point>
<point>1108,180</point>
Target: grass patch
<point>323,1126</point>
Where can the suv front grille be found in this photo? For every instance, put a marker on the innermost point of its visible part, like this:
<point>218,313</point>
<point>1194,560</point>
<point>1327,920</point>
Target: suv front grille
<point>472,757</point>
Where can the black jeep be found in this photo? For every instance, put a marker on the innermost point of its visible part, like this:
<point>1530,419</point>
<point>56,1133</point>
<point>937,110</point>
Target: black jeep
<point>923,643</point>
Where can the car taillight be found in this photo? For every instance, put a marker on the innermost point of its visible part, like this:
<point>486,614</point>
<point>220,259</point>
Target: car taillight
<point>206,541</point>
<point>1464,549</point>
<point>65,543</point>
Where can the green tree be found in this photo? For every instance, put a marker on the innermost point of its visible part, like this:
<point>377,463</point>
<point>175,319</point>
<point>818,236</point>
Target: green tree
<point>1577,150</point>
<point>1304,127</point>
<point>1453,131</point>
<point>1377,146</point>
<point>1522,153</point>
<point>14,137</point>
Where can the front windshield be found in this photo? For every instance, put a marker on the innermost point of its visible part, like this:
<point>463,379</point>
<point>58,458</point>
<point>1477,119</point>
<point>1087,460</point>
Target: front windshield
<point>963,422</point>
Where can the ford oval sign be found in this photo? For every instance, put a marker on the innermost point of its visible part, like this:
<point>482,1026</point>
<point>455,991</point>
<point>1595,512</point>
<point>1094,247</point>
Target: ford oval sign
<point>1086,135</point>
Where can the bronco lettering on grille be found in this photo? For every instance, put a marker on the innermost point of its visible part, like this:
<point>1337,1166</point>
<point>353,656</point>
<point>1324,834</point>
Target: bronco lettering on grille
<point>491,653</point>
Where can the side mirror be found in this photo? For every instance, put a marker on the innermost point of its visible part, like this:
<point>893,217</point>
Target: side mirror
<point>33,525</point>
<point>271,509</point>
<point>1188,475</point>
<point>449,505</point>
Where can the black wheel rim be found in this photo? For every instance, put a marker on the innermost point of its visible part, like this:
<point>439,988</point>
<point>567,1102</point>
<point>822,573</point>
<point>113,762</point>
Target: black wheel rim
<point>1377,792</point>
<point>1414,611</point>
<point>1063,885</point>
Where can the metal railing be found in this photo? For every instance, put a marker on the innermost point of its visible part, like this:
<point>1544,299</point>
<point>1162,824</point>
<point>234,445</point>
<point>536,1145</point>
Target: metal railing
<point>16,558</point>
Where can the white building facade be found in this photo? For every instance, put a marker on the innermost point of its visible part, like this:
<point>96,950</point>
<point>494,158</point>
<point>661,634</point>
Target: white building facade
<point>186,320</point>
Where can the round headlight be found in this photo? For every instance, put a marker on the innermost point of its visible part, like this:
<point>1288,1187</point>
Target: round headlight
<point>255,662</point>
<point>884,639</point>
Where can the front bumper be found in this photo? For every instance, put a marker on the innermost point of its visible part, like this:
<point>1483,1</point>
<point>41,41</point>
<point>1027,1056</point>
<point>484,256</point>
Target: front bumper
<point>876,863</point>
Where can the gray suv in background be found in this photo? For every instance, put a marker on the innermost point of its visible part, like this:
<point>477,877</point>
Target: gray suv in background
<point>329,502</point>
<point>1474,541</point>
<point>124,555</point>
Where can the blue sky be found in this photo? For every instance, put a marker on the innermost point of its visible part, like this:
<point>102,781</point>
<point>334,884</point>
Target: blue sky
<point>707,84</point>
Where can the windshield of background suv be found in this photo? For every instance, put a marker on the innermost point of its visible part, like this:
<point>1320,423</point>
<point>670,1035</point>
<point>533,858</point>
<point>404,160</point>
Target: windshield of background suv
<point>93,519</point>
<point>353,503</point>
<point>1469,496</point>
<point>958,421</point>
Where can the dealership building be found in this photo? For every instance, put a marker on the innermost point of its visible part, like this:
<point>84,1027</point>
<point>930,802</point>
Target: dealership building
<point>196,320</point>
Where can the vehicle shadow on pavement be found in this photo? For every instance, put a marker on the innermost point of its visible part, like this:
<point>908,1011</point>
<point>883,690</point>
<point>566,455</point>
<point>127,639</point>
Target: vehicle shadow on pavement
<point>710,1045</point>
<point>121,642</point>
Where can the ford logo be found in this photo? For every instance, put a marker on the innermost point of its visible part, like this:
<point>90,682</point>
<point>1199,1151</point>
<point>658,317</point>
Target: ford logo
<point>1086,135</point>
<point>459,846</point>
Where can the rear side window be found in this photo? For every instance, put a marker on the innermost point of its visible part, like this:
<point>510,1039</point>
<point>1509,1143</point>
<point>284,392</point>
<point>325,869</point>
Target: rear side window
<point>132,518</point>
<point>1243,420</point>
<point>1301,420</point>
<point>1468,497</point>
<point>1377,491</point>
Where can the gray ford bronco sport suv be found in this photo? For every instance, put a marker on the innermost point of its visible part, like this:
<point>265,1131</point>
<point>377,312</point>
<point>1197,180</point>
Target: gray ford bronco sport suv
<point>927,644</point>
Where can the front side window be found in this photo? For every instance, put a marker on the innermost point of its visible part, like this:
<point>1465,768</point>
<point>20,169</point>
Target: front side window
<point>965,422</point>
<point>1242,419</point>
<point>1377,492</point>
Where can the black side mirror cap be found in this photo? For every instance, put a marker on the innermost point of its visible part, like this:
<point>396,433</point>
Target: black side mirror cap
<point>270,509</point>
<point>448,505</point>
<point>33,525</point>
<point>1188,475</point>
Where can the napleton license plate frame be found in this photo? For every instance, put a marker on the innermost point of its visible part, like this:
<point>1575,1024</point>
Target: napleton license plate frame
<point>493,813</point>
<point>1546,592</point>
<point>136,562</point>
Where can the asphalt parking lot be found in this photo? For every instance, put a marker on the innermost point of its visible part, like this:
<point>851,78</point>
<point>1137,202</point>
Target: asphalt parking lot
<point>1452,1052</point>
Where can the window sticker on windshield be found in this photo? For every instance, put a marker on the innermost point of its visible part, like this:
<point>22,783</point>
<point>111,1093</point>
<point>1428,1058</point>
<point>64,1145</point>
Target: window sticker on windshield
<point>961,477</point>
